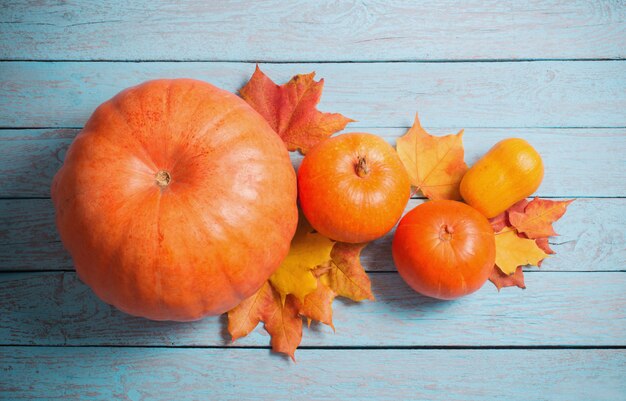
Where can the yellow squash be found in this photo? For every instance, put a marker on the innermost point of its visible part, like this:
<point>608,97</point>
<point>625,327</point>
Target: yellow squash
<point>511,171</point>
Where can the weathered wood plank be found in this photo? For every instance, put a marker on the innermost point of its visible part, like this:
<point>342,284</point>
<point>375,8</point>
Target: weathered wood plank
<point>510,94</point>
<point>251,374</point>
<point>573,157</point>
<point>556,309</point>
<point>592,237</point>
<point>313,31</point>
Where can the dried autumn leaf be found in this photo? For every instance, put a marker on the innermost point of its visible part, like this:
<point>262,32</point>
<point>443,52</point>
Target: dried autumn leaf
<point>318,305</point>
<point>502,280</point>
<point>544,245</point>
<point>346,276</point>
<point>282,319</point>
<point>290,109</point>
<point>247,315</point>
<point>308,250</point>
<point>502,220</point>
<point>499,222</point>
<point>517,207</point>
<point>285,325</point>
<point>513,251</point>
<point>340,274</point>
<point>435,164</point>
<point>536,219</point>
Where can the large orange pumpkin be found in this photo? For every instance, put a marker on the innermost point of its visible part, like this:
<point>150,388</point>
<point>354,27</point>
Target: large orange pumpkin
<point>444,249</point>
<point>176,201</point>
<point>353,187</point>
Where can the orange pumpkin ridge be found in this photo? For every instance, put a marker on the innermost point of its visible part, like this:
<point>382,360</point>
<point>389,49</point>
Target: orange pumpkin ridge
<point>176,201</point>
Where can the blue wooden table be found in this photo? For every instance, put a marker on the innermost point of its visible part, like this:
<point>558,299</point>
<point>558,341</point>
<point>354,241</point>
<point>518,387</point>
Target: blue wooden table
<point>553,72</point>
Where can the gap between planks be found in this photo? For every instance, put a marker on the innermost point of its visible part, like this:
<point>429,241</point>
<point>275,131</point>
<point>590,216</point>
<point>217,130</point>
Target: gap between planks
<point>413,197</point>
<point>535,270</point>
<point>77,128</point>
<point>336,347</point>
<point>304,62</point>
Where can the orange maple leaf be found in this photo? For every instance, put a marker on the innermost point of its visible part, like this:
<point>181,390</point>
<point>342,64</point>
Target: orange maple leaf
<point>544,245</point>
<point>285,325</point>
<point>537,217</point>
<point>502,280</point>
<point>434,163</point>
<point>290,109</point>
<point>346,276</point>
<point>282,321</point>
<point>318,305</point>
<point>517,207</point>
<point>246,316</point>
<point>499,222</point>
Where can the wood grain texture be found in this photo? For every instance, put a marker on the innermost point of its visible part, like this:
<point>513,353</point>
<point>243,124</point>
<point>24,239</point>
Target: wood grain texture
<point>312,31</point>
<point>252,374</point>
<point>508,94</point>
<point>30,158</point>
<point>49,320</point>
<point>555,309</point>
<point>592,231</point>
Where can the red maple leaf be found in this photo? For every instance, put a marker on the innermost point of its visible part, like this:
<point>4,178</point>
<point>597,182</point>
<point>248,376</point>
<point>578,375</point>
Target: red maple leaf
<point>291,109</point>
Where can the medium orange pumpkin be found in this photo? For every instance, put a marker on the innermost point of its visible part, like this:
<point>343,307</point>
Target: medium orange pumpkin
<point>353,187</point>
<point>444,249</point>
<point>511,171</point>
<point>176,201</point>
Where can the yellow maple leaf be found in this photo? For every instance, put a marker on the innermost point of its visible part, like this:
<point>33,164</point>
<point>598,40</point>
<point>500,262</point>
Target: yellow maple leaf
<point>434,163</point>
<point>341,275</point>
<point>308,250</point>
<point>513,251</point>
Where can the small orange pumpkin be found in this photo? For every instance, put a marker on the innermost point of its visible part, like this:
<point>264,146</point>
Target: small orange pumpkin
<point>511,171</point>
<point>444,249</point>
<point>353,187</point>
<point>176,201</point>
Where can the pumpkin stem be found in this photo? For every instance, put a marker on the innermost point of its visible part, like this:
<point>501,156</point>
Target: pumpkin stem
<point>163,178</point>
<point>361,167</point>
<point>445,233</point>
